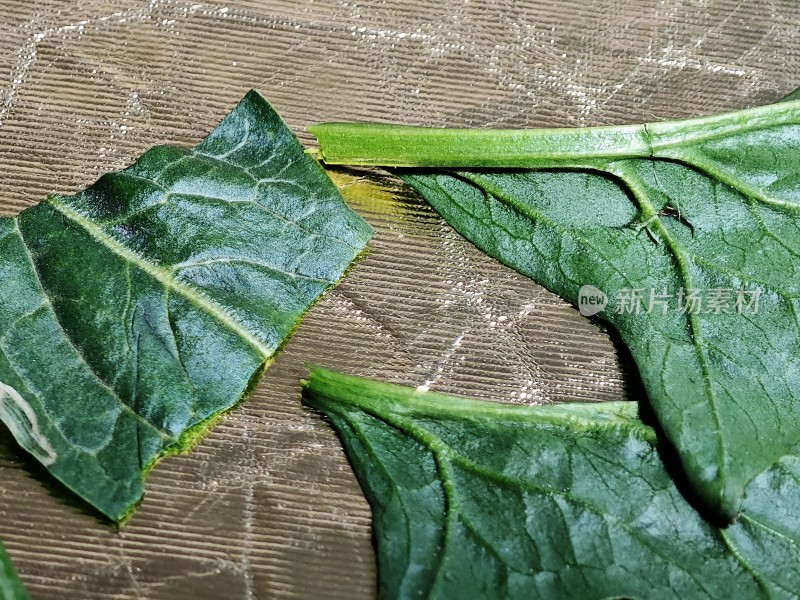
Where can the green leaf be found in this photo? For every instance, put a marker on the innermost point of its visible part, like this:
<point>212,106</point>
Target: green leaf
<point>11,587</point>
<point>647,212</point>
<point>134,312</point>
<point>481,500</point>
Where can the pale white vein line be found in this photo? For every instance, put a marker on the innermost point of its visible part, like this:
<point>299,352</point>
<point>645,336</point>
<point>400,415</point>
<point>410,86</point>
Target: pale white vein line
<point>164,170</point>
<point>289,164</point>
<point>190,294</point>
<point>14,410</point>
<point>241,144</point>
<point>245,261</point>
<point>10,328</point>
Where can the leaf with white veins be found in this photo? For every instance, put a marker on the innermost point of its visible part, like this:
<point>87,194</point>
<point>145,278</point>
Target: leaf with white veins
<point>134,312</point>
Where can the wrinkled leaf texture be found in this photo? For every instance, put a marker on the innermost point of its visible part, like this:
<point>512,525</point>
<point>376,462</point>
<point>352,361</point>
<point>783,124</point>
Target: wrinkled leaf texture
<point>134,312</point>
<point>648,214</point>
<point>473,499</point>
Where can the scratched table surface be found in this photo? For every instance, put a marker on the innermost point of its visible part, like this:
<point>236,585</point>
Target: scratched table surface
<point>266,506</point>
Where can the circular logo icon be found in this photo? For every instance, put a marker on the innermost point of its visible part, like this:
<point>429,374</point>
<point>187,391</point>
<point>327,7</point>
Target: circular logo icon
<point>591,300</point>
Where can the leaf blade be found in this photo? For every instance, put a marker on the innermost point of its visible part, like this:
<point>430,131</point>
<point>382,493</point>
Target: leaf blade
<point>667,224</point>
<point>555,503</point>
<point>11,587</point>
<point>160,294</point>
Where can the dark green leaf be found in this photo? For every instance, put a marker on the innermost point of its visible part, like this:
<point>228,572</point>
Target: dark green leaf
<point>135,311</point>
<point>482,500</point>
<point>648,214</point>
<point>10,586</point>
<point>795,95</point>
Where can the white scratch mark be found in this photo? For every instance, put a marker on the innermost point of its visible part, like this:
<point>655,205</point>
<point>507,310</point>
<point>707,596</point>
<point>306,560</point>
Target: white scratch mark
<point>440,366</point>
<point>21,420</point>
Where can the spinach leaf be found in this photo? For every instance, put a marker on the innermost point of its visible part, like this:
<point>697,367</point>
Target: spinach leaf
<point>685,236</point>
<point>10,586</point>
<point>474,499</point>
<point>134,312</point>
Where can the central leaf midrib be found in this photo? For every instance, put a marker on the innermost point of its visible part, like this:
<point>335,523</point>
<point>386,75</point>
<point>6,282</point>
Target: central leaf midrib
<point>191,295</point>
<point>364,439</point>
<point>445,455</point>
<point>632,182</point>
<point>745,564</point>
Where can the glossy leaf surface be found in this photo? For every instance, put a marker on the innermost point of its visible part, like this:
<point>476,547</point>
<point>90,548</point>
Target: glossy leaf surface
<point>480,500</point>
<point>135,311</point>
<point>688,234</point>
<point>11,587</point>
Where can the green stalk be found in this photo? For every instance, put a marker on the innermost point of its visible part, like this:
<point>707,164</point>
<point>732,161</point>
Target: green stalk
<point>386,399</point>
<point>406,146</point>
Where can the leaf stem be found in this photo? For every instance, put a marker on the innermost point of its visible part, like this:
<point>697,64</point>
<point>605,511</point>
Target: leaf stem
<point>392,401</point>
<point>407,146</point>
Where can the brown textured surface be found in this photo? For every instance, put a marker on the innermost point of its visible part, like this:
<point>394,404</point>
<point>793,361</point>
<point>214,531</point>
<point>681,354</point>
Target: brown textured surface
<point>266,505</point>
